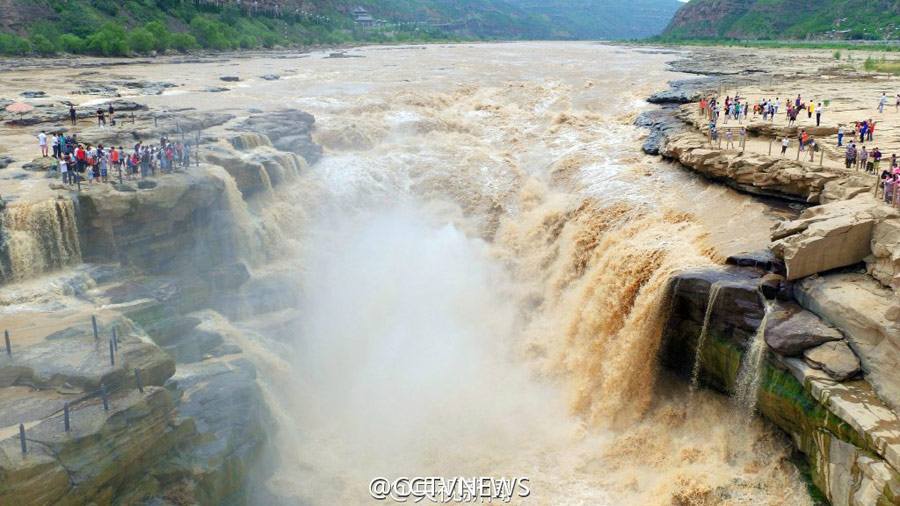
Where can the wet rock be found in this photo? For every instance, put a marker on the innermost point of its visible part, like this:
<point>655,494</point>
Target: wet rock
<point>146,185</point>
<point>33,94</point>
<point>223,400</point>
<point>215,89</point>
<point>230,79</point>
<point>685,91</point>
<point>41,164</point>
<point>825,237</point>
<point>83,364</point>
<point>250,176</point>
<point>835,358</point>
<point>765,260</point>
<point>193,346</point>
<point>661,123</point>
<point>771,284</point>
<point>225,349</point>
<point>97,90</point>
<point>155,229</point>
<point>289,130</point>
<point>793,330</point>
<point>270,77</point>
<point>146,87</point>
<point>229,277</point>
<point>5,160</point>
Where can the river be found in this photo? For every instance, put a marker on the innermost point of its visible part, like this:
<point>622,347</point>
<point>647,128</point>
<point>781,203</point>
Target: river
<point>483,255</point>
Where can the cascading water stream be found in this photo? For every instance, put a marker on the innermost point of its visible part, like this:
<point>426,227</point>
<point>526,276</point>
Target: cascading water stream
<point>710,304</point>
<point>37,237</point>
<point>750,377</point>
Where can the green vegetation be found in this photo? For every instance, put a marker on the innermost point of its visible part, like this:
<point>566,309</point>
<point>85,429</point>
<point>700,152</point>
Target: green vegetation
<point>849,20</point>
<point>119,28</point>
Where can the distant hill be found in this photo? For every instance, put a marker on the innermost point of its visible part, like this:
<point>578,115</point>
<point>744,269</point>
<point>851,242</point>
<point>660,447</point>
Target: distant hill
<point>117,28</point>
<point>603,19</point>
<point>786,19</point>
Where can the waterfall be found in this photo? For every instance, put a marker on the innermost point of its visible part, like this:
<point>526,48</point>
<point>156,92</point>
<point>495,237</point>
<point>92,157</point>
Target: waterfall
<point>710,304</point>
<point>749,378</point>
<point>37,237</point>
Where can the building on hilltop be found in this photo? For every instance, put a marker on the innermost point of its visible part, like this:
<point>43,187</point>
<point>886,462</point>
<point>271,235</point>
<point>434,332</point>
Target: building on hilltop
<point>362,17</point>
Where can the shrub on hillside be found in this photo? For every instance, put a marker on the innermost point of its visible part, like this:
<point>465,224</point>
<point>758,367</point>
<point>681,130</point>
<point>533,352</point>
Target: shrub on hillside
<point>161,35</point>
<point>70,43</point>
<point>109,41</point>
<point>183,42</point>
<point>42,45</point>
<point>141,41</point>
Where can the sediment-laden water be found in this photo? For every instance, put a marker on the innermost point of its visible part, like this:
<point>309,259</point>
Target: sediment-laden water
<point>483,256</point>
<point>485,271</point>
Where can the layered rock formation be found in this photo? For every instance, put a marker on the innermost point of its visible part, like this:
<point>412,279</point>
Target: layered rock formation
<point>807,385</point>
<point>750,173</point>
<point>165,259</point>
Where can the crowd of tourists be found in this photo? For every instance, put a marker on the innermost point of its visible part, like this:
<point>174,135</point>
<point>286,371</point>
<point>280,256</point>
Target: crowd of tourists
<point>83,162</point>
<point>857,155</point>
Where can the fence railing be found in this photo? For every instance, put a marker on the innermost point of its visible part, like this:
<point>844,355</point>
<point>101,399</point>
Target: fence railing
<point>105,391</point>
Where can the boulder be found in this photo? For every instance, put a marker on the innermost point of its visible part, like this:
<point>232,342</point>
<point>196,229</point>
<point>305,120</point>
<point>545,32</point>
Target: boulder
<point>41,164</point>
<point>230,79</point>
<point>215,89</point>
<point>765,260</point>
<point>33,94</point>
<point>270,77</point>
<point>661,123</point>
<point>835,358</point>
<point>825,237</point>
<point>859,305</point>
<point>884,265</point>
<point>794,330</point>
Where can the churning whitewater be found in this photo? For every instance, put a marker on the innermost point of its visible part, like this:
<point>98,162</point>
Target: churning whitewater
<point>485,260</point>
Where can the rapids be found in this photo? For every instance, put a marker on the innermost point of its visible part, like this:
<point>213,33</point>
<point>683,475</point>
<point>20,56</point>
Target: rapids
<point>485,262</point>
<point>484,256</point>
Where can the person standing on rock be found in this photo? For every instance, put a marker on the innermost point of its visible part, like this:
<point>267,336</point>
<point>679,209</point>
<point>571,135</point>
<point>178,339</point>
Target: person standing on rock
<point>876,160</point>
<point>840,135</point>
<point>882,102</point>
<point>64,168</point>
<point>72,115</point>
<point>801,137</point>
<point>813,147</point>
<point>54,145</point>
<point>101,118</point>
<point>729,139</point>
<point>112,114</point>
<point>810,110</point>
<point>145,163</point>
<point>819,114</point>
<point>784,145</point>
<point>870,130</point>
<point>42,142</point>
<point>863,128</point>
<point>103,162</point>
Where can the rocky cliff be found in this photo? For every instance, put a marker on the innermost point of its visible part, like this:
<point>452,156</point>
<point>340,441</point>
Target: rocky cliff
<point>166,259</point>
<point>807,375</point>
<point>784,19</point>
